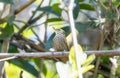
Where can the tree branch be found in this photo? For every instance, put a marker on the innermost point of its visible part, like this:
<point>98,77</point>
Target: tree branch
<point>30,43</point>
<point>58,54</point>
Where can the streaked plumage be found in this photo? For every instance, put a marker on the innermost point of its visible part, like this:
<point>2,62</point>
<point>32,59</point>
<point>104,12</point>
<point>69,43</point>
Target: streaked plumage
<point>59,41</point>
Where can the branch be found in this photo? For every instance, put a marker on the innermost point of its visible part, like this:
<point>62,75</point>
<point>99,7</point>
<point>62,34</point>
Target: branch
<point>104,52</point>
<point>30,21</point>
<point>58,54</point>
<point>35,55</point>
<point>30,43</point>
<point>24,6</point>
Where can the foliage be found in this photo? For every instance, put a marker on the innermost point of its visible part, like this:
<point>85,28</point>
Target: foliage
<point>30,31</point>
<point>71,70</point>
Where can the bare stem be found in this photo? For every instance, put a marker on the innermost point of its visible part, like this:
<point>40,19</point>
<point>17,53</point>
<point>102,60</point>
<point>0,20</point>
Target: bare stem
<point>74,36</point>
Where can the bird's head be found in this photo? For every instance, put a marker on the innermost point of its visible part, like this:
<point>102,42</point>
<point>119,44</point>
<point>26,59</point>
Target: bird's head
<point>59,31</point>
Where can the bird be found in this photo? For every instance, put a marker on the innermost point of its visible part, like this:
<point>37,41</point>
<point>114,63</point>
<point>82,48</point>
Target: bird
<point>60,43</point>
<point>59,40</point>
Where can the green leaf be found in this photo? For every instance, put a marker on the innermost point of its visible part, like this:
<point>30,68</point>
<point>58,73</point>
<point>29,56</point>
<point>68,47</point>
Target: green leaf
<point>11,19</point>
<point>111,15</point>
<point>27,33</point>
<point>26,66</point>
<point>81,27</point>
<point>86,7</point>
<point>72,57</point>
<point>67,30</point>
<point>13,49</point>
<point>53,20</point>
<point>87,68</point>
<point>80,0</point>
<point>89,60</point>
<point>76,9</point>
<point>116,3</point>
<point>48,44</point>
<point>56,8</point>
<point>7,32</point>
<point>49,9</point>
<point>7,1</point>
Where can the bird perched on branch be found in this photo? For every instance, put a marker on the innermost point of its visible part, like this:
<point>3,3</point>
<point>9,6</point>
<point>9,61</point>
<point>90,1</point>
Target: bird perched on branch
<point>60,42</point>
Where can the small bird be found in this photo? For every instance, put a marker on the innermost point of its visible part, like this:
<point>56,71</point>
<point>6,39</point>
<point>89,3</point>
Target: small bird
<point>60,42</point>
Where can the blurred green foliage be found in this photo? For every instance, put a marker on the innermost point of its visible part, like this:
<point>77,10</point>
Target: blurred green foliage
<point>31,66</point>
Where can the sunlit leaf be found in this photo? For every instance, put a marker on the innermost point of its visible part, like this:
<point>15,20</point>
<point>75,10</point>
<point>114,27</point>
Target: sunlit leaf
<point>87,68</point>
<point>50,69</point>
<point>89,60</point>
<point>118,71</point>
<point>26,66</point>
<point>65,70</point>
<point>72,56</point>
<point>27,33</point>
<point>13,71</point>
<point>56,8</point>
<point>100,76</point>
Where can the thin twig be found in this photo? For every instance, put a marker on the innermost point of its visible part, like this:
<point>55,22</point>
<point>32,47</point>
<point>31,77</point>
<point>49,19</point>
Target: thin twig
<point>30,19</point>
<point>8,58</point>
<point>74,36</point>
<point>24,6</point>
<point>30,43</point>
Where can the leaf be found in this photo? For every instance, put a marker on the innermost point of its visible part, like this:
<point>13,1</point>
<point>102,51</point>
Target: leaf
<point>89,60</point>
<point>7,32</point>
<point>111,15</point>
<point>53,20</point>
<point>7,1</point>
<point>37,62</point>
<point>48,44</point>
<point>26,66</point>
<point>11,19</point>
<point>87,68</point>
<point>13,49</point>
<point>27,33</point>
<point>66,71</point>
<point>49,9</point>
<point>56,8</point>
<point>76,9</point>
<point>72,56</point>
<point>50,69</point>
<point>80,0</point>
<point>82,26</point>
<point>86,7</point>
<point>67,30</point>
